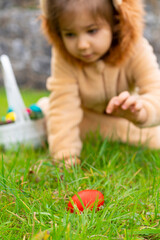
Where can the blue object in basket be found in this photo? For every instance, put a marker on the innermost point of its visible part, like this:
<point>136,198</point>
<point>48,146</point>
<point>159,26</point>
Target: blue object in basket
<point>10,109</point>
<point>36,112</point>
<point>35,108</point>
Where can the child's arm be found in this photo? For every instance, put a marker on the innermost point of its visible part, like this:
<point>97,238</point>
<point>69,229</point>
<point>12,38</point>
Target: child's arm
<point>142,71</point>
<point>64,113</point>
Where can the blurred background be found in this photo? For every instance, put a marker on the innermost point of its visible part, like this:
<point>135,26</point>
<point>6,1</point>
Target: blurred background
<point>22,40</point>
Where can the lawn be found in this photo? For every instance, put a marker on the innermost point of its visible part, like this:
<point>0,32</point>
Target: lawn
<point>34,193</point>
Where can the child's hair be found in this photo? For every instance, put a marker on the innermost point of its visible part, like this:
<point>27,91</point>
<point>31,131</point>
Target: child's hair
<point>126,23</point>
<point>57,8</point>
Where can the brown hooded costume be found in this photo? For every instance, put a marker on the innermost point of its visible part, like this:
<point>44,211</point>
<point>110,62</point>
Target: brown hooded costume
<point>80,93</point>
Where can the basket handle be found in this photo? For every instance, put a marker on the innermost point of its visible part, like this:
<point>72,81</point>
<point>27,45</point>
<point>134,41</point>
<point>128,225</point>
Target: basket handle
<point>13,94</point>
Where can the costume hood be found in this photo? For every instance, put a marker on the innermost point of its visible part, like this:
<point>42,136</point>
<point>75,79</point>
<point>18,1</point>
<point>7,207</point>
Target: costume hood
<point>128,15</point>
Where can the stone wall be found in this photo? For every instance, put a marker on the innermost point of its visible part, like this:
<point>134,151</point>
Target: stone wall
<point>4,4</point>
<point>22,40</point>
<point>152,29</point>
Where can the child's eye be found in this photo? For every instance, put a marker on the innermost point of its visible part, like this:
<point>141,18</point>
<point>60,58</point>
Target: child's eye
<point>93,31</point>
<point>69,35</point>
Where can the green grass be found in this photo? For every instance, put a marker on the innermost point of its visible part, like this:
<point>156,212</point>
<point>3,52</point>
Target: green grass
<point>34,194</point>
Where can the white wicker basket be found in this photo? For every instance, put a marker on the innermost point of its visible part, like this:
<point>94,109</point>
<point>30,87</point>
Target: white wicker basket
<point>24,130</point>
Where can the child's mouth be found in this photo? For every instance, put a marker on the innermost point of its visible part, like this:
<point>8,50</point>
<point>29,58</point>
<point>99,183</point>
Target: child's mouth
<point>87,56</point>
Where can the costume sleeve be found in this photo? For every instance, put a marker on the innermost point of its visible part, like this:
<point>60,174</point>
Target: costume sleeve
<point>65,113</point>
<point>144,71</point>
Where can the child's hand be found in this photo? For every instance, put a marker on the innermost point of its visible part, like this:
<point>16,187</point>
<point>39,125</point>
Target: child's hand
<point>68,162</point>
<point>127,106</point>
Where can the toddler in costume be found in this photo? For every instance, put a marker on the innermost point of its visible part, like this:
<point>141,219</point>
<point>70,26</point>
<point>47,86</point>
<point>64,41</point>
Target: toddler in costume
<point>104,75</point>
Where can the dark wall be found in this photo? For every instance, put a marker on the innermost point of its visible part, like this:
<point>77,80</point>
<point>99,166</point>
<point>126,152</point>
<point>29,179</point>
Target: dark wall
<point>22,40</point>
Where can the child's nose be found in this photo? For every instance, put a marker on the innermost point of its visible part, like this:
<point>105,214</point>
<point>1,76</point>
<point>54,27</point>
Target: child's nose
<point>83,43</point>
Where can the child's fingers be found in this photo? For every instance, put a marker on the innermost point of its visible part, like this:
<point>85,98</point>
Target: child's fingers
<point>113,103</point>
<point>131,101</point>
<point>117,101</point>
<point>123,97</point>
<point>72,161</point>
<point>138,106</point>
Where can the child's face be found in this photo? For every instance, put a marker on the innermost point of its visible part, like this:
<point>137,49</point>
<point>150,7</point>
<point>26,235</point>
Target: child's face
<point>84,37</point>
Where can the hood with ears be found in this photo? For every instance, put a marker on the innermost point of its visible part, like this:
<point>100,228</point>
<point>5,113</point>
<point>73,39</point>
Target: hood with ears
<point>127,31</point>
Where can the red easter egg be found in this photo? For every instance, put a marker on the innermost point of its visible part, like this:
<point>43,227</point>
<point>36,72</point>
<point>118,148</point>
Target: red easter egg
<point>89,198</point>
<point>28,110</point>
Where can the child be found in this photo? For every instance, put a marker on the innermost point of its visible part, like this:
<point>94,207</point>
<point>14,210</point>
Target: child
<point>104,74</point>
